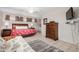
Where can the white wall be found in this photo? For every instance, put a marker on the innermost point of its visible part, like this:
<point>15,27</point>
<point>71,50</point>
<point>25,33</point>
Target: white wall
<point>59,15</point>
<point>1,15</point>
<point>12,20</point>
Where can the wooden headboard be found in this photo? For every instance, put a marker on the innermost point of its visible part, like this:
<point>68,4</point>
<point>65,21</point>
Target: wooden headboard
<point>15,24</point>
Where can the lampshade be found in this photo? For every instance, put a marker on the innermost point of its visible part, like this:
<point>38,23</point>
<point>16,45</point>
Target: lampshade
<point>6,24</point>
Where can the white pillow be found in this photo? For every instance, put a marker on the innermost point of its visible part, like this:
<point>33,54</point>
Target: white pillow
<point>30,25</point>
<point>21,27</point>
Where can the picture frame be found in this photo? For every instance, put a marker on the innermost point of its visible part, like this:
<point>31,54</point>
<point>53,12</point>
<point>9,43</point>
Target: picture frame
<point>7,17</point>
<point>18,18</point>
<point>44,21</point>
<point>29,19</point>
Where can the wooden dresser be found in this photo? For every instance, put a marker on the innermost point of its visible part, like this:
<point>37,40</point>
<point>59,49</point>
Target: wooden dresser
<point>52,30</point>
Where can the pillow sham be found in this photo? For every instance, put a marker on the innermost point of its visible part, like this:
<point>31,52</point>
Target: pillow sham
<point>30,25</point>
<point>21,27</point>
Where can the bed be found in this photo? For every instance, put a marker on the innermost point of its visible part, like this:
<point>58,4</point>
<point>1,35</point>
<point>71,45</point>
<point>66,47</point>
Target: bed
<point>22,30</point>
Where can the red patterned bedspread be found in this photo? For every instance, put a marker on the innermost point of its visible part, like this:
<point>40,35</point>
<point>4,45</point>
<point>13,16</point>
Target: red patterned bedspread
<point>16,32</point>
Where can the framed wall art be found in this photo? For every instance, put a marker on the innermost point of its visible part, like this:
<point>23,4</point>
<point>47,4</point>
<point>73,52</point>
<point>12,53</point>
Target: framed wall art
<point>7,17</point>
<point>44,21</point>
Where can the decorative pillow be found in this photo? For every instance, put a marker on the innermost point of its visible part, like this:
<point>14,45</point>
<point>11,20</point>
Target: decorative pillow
<point>31,25</point>
<point>2,44</point>
<point>13,27</point>
<point>12,45</point>
<point>2,41</point>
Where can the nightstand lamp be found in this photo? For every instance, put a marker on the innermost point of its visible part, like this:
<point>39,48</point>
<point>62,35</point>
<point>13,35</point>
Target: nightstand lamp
<point>6,24</point>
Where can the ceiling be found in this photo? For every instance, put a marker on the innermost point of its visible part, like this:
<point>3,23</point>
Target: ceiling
<point>33,11</point>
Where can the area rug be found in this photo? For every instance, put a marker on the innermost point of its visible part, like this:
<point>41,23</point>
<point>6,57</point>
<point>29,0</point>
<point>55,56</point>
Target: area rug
<point>41,46</point>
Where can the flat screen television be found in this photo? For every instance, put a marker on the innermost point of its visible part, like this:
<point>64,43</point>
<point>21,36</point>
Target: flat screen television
<point>70,14</point>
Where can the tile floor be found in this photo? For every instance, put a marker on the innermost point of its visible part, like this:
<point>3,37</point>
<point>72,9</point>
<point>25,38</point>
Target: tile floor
<point>67,47</point>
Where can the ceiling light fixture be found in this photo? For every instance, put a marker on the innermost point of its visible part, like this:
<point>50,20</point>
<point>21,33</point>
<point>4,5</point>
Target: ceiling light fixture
<point>32,9</point>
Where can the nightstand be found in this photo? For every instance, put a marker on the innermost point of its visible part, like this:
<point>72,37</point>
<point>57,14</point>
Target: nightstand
<point>5,32</point>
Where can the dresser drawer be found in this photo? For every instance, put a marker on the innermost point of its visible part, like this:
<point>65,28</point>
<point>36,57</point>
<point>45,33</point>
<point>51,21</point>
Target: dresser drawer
<point>52,30</point>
